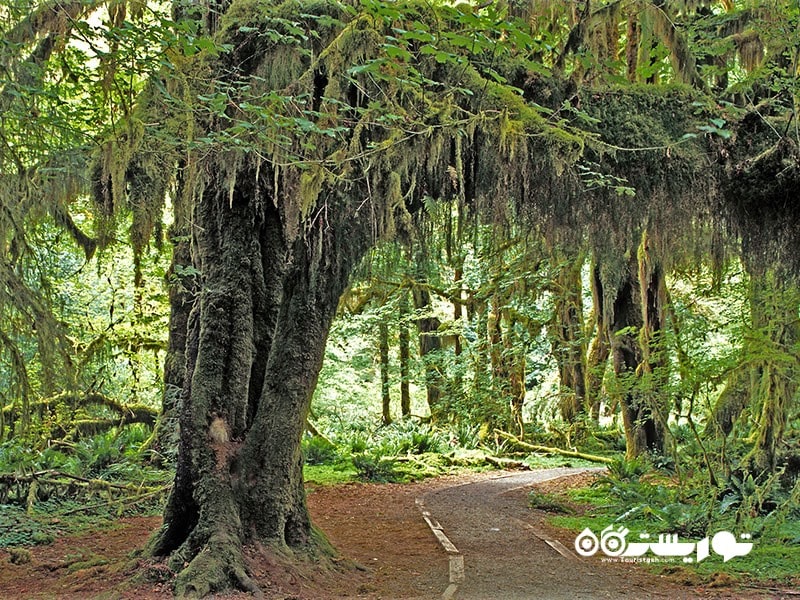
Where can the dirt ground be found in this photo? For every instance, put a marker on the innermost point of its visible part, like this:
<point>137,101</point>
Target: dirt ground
<point>386,551</point>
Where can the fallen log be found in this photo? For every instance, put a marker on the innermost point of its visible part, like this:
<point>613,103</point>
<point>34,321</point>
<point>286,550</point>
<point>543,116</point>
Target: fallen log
<point>550,450</point>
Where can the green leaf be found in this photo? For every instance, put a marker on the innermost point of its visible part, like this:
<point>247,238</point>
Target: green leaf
<point>443,57</point>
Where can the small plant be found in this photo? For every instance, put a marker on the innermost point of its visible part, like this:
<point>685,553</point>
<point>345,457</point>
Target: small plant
<point>549,503</point>
<point>319,451</point>
<point>373,467</point>
<point>622,469</point>
<point>19,556</point>
<point>358,445</point>
<point>465,435</point>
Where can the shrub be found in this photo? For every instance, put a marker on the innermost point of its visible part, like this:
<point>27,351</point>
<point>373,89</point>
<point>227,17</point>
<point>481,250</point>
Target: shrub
<point>319,451</point>
<point>373,467</point>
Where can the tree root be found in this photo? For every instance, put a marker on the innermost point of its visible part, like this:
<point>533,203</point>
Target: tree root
<point>218,566</point>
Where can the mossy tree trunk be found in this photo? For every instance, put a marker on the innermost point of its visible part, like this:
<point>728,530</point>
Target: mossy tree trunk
<point>569,345</point>
<point>771,348</point>
<point>654,372</point>
<point>514,355</point>
<point>643,430</point>
<point>254,348</point>
<point>429,346</point>
<point>404,342</point>
<point>599,349</point>
<point>766,378</point>
<point>181,292</point>
<point>383,351</point>
<point>507,360</point>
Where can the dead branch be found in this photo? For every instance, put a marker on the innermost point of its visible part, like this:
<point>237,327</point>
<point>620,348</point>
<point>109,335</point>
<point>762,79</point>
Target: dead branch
<point>550,450</point>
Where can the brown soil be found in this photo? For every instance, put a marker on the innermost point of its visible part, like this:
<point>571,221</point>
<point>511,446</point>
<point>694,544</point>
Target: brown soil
<point>385,551</point>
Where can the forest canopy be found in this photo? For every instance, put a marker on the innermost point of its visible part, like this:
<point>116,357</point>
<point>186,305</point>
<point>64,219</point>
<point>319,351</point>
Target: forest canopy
<point>194,194</point>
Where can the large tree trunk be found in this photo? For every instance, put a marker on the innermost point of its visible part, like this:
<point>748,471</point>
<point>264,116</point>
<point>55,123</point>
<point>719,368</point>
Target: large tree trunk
<point>643,428</point>
<point>245,399</point>
<point>181,291</point>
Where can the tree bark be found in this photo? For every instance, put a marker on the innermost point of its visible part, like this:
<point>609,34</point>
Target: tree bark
<point>772,350</point>
<point>507,368</point>
<point>598,350</point>
<point>181,298</point>
<point>429,345</point>
<point>383,343</point>
<point>515,357</point>
<point>643,431</point>
<point>405,357</point>
<point>568,343</point>
<point>254,349</point>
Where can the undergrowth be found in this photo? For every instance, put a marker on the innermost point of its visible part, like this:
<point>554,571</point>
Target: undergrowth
<point>646,500</point>
<point>68,487</point>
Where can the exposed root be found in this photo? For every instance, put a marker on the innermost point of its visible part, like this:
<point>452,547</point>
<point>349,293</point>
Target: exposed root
<point>218,566</point>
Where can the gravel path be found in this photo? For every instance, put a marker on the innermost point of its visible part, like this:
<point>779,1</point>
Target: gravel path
<point>505,549</point>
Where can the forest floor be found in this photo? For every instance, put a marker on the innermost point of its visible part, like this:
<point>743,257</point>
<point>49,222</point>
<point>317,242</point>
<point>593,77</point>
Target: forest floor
<point>386,551</point>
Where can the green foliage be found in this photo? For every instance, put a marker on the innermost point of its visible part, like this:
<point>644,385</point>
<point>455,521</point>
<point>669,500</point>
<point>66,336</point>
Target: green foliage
<point>20,530</point>
<point>109,467</point>
<point>329,474</point>
<point>339,97</point>
<point>373,466</point>
<point>548,503</point>
<point>622,469</point>
<point>319,451</point>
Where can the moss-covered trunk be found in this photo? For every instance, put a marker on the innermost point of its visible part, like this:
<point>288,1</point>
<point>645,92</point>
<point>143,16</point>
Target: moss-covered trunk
<point>569,345</point>
<point>254,348</point>
<point>599,348</point>
<point>643,430</point>
<point>429,346</point>
<point>772,352</point>
<point>383,351</point>
<point>181,291</point>
<point>404,341</point>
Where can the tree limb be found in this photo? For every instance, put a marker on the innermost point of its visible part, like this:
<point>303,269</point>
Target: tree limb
<point>549,450</point>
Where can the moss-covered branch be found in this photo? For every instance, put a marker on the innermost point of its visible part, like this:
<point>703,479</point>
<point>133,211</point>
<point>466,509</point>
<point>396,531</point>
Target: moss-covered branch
<point>551,450</point>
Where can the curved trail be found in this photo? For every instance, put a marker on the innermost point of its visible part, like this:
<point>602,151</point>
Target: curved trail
<point>507,555</point>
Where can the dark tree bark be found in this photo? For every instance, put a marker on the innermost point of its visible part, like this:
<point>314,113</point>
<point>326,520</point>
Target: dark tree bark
<point>255,343</point>
<point>429,345</point>
<point>383,343</point>
<point>643,429</point>
<point>181,295</point>
<point>404,341</point>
